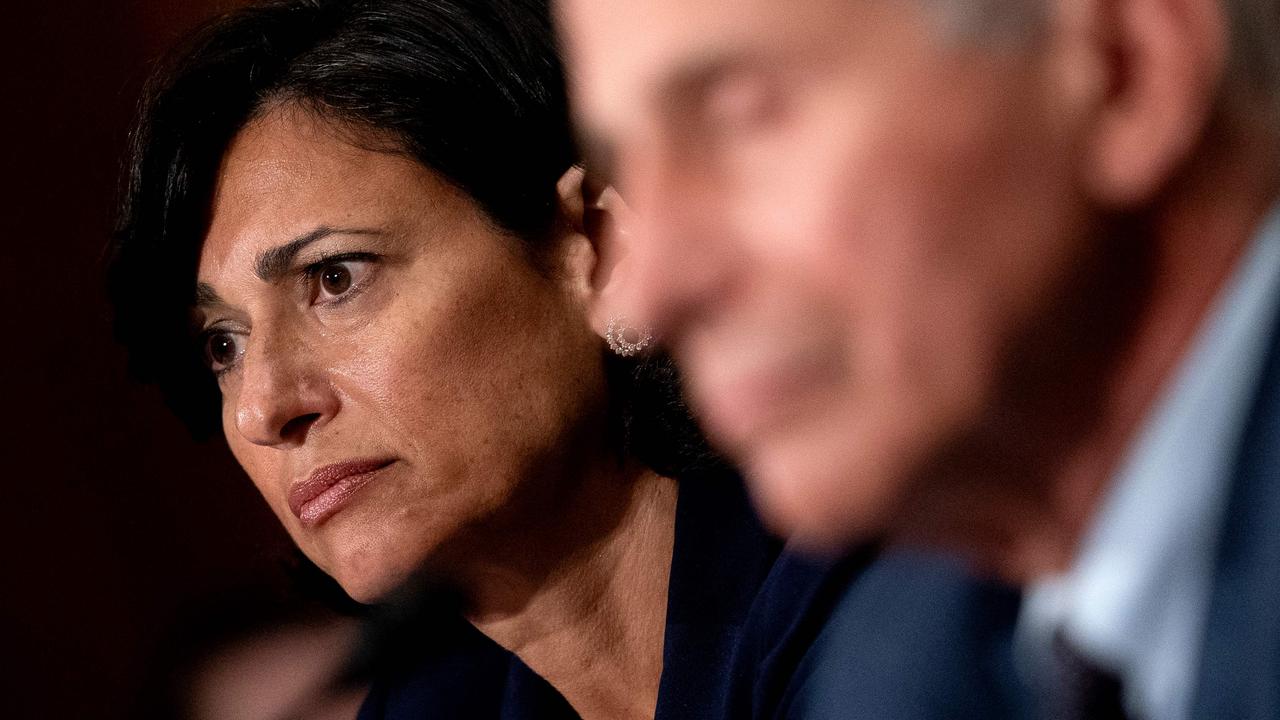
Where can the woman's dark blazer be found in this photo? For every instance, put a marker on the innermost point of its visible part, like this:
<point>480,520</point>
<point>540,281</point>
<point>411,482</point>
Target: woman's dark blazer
<point>742,614</point>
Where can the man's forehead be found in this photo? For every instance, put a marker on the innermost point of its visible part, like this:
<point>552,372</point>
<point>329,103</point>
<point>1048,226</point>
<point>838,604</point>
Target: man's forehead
<point>626,52</point>
<point>632,43</point>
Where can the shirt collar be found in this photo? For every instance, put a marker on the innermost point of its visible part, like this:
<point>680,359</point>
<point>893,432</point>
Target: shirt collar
<point>1135,599</point>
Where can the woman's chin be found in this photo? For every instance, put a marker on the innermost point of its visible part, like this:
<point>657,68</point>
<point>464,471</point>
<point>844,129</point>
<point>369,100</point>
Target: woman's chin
<point>368,590</point>
<point>364,577</point>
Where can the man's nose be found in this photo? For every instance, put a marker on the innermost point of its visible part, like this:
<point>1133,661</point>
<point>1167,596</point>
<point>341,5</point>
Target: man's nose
<point>681,245</point>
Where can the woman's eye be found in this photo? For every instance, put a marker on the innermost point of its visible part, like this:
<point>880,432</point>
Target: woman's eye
<point>337,279</point>
<point>221,350</point>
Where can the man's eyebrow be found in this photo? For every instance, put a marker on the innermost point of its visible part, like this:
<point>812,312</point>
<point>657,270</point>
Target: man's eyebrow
<point>688,82</point>
<point>272,264</point>
<point>677,90</point>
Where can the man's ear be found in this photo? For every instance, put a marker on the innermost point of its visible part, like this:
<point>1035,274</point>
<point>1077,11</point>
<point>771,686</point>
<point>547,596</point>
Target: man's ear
<point>1164,61</point>
<point>597,251</point>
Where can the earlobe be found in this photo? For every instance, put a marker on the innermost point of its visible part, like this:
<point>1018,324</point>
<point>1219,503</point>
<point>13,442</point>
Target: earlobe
<point>1165,60</point>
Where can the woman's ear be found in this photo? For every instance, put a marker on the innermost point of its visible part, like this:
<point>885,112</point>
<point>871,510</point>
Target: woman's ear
<point>596,254</point>
<point>578,258</point>
<point>1164,61</point>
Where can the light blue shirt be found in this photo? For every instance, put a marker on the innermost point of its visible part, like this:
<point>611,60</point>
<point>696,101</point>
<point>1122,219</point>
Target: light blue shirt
<point>1136,599</point>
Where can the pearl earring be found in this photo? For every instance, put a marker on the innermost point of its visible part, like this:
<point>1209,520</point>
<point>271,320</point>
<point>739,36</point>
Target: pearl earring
<point>626,340</point>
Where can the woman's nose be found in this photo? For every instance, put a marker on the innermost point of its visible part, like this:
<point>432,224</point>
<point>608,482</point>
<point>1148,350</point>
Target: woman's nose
<point>284,393</point>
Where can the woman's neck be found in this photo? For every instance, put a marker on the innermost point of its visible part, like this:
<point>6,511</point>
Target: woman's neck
<point>588,617</point>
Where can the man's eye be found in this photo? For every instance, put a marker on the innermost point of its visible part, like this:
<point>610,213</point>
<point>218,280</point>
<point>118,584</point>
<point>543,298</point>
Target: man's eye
<point>221,351</point>
<point>740,102</point>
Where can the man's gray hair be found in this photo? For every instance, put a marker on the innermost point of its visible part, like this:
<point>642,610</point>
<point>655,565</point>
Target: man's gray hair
<point>988,20</point>
<point>1254,27</point>
<point>1255,53</point>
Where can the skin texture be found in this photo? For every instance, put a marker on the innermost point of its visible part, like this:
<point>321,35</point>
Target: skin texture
<point>425,337</point>
<point>889,259</point>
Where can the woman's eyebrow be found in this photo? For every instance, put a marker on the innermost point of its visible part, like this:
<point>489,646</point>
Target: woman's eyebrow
<point>272,264</point>
<point>206,295</point>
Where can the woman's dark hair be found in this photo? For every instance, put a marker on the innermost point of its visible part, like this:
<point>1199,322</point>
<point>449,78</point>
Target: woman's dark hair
<point>472,89</point>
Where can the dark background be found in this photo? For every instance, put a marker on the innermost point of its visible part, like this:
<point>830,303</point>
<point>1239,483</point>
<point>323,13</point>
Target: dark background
<point>116,528</point>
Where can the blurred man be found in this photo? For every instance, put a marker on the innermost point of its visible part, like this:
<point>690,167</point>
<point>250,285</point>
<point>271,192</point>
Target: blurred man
<point>994,275</point>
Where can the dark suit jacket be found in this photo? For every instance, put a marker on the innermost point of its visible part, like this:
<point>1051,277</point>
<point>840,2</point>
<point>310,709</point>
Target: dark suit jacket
<point>954,661</point>
<point>1240,666</point>
<point>741,618</point>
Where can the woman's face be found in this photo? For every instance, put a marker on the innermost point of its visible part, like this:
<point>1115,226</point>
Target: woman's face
<point>393,369</point>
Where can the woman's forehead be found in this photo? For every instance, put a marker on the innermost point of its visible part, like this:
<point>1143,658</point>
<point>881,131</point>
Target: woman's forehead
<point>291,162</point>
<point>290,173</point>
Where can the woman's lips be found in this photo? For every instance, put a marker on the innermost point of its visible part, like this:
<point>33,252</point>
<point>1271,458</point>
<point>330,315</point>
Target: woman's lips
<point>327,489</point>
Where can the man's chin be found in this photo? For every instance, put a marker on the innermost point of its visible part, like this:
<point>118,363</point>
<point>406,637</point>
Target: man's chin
<point>817,503</point>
